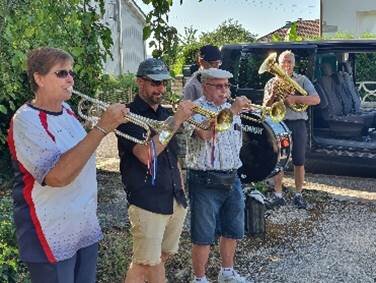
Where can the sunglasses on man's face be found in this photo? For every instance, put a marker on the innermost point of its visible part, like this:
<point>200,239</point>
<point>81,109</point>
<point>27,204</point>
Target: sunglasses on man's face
<point>156,83</point>
<point>62,74</point>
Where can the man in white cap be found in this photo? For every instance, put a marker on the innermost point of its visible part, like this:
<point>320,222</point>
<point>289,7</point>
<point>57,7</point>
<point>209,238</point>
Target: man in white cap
<point>216,198</point>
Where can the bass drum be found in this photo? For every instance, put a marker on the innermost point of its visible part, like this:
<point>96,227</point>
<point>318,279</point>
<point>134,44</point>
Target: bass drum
<point>266,148</point>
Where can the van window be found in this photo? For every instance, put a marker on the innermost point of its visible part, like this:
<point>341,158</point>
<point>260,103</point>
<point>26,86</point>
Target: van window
<point>365,75</point>
<point>248,76</point>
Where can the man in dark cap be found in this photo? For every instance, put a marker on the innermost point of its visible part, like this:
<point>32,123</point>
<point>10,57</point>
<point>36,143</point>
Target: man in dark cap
<point>152,177</point>
<point>209,57</point>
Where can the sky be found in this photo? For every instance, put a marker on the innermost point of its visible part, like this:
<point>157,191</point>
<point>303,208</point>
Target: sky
<point>260,17</point>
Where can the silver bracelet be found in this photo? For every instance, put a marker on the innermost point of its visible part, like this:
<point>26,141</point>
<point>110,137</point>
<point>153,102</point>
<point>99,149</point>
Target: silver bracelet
<point>101,130</point>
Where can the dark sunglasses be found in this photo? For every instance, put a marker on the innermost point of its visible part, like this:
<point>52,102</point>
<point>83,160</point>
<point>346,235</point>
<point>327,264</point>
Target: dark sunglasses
<point>156,83</point>
<point>62,74</point>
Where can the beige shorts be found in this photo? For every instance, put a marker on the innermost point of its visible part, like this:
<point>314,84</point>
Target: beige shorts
<point>155,233</point>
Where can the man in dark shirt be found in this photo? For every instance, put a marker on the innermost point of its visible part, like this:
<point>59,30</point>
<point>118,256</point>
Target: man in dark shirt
<point>152,177</point>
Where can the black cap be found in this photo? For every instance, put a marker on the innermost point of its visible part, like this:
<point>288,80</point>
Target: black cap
<point>154,69</point>
<point>210,53</point>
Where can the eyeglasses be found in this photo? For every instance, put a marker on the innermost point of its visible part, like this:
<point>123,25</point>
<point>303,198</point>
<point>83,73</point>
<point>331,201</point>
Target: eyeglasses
<point>220,86</point>
<point>156,83</point>
<point>62,74</point>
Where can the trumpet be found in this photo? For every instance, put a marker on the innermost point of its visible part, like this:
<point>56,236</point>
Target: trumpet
<point>276,111</point>
<point>102,106</point>
<point>223,118</point>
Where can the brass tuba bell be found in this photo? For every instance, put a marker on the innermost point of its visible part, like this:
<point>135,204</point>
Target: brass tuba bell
<point>284,84</point>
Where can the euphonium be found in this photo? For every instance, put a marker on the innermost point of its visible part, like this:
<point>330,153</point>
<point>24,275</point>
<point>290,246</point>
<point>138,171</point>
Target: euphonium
<point>102,106</point>
<point>284,84</point>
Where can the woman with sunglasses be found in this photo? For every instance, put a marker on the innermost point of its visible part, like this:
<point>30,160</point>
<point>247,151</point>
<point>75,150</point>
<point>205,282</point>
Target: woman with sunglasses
<point>55,188</point>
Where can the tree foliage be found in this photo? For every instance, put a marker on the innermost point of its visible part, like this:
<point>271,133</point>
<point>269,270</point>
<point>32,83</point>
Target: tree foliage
<point>228,32</point>
<point>165,37</point>
<point>167,44</point>
<point>11,269</point>
<point>292,33</point>
<point>73,25</point>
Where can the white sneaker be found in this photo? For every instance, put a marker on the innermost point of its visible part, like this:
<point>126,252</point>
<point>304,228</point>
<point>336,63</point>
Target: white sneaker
<point>234,278</point>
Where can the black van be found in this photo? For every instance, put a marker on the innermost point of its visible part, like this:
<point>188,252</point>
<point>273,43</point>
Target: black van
<point>342,128</point>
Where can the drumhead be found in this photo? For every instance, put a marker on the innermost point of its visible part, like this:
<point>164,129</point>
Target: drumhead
<point>260,151</point>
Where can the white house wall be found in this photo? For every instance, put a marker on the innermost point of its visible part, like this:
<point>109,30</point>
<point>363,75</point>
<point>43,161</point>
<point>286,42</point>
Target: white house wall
<point>111,20</point>
<point>348,16</point>
<point>133,43</point>
<point>126,24</point>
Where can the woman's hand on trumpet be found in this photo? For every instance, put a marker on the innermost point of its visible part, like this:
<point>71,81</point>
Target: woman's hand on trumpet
<point>241,104</point>
<point>114,115</point>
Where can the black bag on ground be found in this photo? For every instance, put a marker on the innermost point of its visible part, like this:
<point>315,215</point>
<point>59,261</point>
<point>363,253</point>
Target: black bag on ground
<point>254,216</point>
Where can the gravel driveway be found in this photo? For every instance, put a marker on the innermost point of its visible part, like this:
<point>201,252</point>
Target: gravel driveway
<point>334,240</point>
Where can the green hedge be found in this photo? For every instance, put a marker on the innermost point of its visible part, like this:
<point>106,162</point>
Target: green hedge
<point>117,89</point>
<point>72,25</point>
<point>11,269</point>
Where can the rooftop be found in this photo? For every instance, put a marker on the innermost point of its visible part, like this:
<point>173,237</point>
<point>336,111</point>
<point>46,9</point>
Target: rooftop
<point>305,29</point>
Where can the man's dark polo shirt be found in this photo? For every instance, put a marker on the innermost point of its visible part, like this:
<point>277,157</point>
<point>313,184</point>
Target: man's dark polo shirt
<point>135,175</point>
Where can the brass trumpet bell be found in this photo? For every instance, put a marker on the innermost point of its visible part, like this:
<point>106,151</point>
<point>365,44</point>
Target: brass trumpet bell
<point>223,119</point>
<point>276,112</point>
